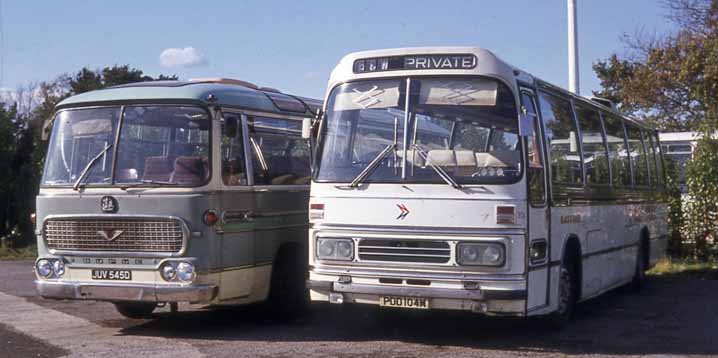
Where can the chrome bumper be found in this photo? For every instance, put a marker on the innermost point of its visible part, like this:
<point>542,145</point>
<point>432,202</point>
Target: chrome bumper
<point>464,294</point>
<point>126,292</point>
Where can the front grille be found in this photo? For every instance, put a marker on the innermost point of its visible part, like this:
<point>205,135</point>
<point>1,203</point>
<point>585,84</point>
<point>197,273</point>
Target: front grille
<point>160,235</point>
<point>408,251</point>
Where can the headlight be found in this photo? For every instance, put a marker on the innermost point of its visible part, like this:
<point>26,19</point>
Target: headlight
<point>480,254</point>
<point>168,272</point>
<point>44,268</point>
<point>185,271</point>
<point>335,249</point>
<point>58,267</point>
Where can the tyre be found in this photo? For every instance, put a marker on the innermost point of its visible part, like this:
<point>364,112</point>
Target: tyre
<point>567,298</point>
<point>288,296</point>
<point>639,276</point>
<point>136,310</point>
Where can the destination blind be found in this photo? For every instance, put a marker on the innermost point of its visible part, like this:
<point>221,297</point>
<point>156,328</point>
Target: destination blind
<point>416,62</point>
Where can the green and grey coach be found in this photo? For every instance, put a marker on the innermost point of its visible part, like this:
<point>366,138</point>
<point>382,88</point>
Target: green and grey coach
<point>167,192</point>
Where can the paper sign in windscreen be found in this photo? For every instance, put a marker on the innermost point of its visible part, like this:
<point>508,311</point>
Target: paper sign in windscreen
<point>458,92</point>
<point>368,96</point>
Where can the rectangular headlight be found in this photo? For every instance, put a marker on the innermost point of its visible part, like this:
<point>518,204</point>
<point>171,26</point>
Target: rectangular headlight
<point>480,254</point>
<point>335,249</point>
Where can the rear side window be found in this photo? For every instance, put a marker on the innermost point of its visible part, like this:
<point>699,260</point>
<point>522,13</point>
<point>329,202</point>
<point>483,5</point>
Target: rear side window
<point>594,146</point>
<point>562,139</point>
<point>280,155</point>
<point>638,155</point>
<point>656,149</point>
<point>617,151</point>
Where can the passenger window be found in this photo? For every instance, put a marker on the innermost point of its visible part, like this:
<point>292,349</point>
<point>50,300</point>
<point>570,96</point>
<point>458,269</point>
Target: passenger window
<point>617,151</point>
<point>233,162</point>
<point>638,155</point>
<point>535,173</point>
<point>280,155</point>
<point>656,158</point>
<point>560,132</point>
<point>595,162</point>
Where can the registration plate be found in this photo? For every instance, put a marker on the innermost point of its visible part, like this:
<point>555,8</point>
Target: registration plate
<point>116,275</point>
<point>404,302</point>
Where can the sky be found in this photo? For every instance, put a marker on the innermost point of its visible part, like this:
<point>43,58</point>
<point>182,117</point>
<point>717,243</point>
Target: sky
<point>294,45</point>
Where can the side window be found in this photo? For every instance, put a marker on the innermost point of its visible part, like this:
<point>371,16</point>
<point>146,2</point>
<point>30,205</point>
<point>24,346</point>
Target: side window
<point>280,155</point>
<point>233,162</point>
<point>659,179</point>
<point>562,140</point>
<point>535,174</point>
<point>594,146</point>
<point>638,155</point>
<point>617,150</point>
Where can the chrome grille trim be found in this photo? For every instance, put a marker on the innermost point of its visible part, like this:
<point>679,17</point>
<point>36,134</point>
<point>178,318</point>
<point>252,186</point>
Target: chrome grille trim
<point>438,252</point>
<point>144,235</point>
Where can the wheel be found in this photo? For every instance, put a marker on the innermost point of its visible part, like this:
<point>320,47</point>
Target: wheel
<point>639,276</point>
<point>567,295</point>
<point>135,309</point>
<point>288,296</point>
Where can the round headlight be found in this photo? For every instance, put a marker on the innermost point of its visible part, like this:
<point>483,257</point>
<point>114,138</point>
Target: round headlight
<point>168,272</point>
<point>469,253</point>
<point>185,271</point>
<point>345,249</point>
<point>59,268</point>
<point>44,268</point>
<point>492,255</point>
<point>326,248</point>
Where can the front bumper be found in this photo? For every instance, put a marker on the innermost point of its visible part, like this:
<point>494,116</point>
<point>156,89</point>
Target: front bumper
<point>126,292</point>
<point>490,299</point>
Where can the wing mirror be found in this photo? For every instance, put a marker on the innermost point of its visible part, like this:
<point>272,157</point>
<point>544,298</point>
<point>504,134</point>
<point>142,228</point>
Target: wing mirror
<point>307,128</point>
<point>231,126</point>
<point>526,128</point>
<point>46,127</point>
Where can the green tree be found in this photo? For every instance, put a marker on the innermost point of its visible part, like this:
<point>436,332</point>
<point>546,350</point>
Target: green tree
<point>669,81</point>
<point>88,80</point>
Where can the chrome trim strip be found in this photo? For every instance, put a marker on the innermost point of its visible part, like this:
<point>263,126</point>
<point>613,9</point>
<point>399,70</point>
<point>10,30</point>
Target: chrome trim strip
<point>423,229</point>
<point>182,222</point>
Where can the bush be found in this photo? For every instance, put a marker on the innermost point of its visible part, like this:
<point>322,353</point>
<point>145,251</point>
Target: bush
<point>701,206</point>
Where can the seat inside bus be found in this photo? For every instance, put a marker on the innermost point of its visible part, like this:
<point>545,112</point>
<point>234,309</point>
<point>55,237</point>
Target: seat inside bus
<point>157,169</point>
<point>188,170</point>
<point>465,162</point>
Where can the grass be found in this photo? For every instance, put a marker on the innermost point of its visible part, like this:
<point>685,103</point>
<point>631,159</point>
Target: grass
<point>24,253</point>
<point>685,267</point>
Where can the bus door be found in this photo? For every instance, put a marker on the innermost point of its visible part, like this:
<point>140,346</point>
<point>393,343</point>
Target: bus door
<point>237,246</point>
<point>538,210</point>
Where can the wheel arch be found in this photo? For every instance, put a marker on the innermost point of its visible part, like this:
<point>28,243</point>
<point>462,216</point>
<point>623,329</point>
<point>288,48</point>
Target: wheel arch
<point>572,250</point>
<point>644,243</point>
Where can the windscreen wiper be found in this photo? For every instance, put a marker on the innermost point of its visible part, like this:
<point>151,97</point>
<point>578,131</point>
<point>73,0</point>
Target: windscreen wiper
<point>89,165</point>
<point>439,170</point>
<point>391,148</point>
<point>372,165</point>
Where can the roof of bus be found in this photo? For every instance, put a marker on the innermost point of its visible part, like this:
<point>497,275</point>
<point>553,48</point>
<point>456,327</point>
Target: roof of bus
<point>489,64</point>
<point>678,136</point>
<point>156,92</point>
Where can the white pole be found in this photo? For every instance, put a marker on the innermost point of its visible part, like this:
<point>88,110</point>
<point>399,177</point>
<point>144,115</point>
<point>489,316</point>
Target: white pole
<point>572,48</point>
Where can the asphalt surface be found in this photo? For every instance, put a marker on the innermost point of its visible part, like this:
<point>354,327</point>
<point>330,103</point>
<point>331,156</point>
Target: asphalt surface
<point>672,316</point>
